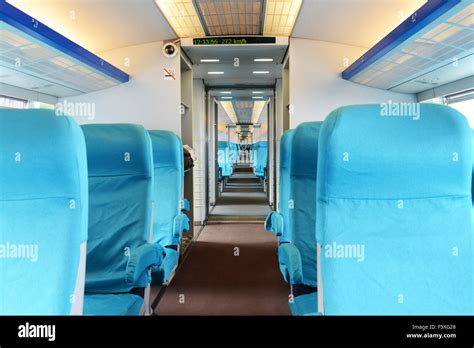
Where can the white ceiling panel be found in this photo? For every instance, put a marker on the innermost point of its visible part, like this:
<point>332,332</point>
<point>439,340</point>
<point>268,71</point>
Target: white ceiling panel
<point>352,22</point>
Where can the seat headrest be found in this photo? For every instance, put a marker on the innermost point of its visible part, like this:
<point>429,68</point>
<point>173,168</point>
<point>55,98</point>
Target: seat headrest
<point>285,148</point>
<point>40,155</point>
<point>304,148</point>
<point>368,155</point>
<point>167,149</point>
<point>222,144</point>
<point>118,149</point>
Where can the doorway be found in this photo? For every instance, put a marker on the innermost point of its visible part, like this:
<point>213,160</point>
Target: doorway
<point>243,181</point>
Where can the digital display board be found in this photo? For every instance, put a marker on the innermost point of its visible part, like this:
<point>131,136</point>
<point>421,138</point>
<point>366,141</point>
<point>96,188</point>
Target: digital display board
<point>234,40</point>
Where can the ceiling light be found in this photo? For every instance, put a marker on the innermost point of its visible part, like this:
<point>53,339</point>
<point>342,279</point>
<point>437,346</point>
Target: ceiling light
<point>226,97</point>
<point>257,92</point>
<point>263,60</point>
<point>215,73</point>
<point>210,60</point>
<point>257,97</point>
<point>280,17</point>
<point>257,110</point>
<point>226,92</point>
<point>261,72</point>
<point>182,17</point>
<point>228,107</point>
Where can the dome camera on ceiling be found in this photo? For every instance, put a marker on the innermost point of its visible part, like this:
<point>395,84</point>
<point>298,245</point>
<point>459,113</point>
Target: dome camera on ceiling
<point>170,50</point>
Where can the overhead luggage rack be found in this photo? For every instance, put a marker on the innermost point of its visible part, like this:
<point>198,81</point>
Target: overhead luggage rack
<point>35,57</point>
<point>415,55</point>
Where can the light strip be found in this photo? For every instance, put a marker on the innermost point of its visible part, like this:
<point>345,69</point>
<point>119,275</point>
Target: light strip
<point>228,107</point>
<point>182,17</point>
<point>226,92</point>
<point>226,97</point>
<point>280,17</point>
<point>210,60</point>
<point>263,60</point>
<point>215,73</point>
<point>257,110</point>
<point>257,97</point>
<point>257,92</point>
<point>261,72</point>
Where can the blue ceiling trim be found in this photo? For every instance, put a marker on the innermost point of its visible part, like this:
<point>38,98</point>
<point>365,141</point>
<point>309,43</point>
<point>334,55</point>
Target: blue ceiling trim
<point>43,33</point>
<point>425,15</point>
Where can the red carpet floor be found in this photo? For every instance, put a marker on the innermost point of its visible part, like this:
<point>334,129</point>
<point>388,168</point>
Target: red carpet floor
<point>212,281</point>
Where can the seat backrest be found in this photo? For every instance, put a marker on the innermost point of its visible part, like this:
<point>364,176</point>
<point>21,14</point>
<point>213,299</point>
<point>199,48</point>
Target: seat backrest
<point>167,184</point>
<point>120,161</point>
<point>394,212</point>
<point>262,158</point>
<point>43,213</point>
<point>304,163</point>
<point>284,202</point>
<point>224,158</point>
<point>234,153</point>
<point>221,153</point>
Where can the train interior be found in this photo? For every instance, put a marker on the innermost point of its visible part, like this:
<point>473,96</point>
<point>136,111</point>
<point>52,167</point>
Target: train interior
<point>236,158</point>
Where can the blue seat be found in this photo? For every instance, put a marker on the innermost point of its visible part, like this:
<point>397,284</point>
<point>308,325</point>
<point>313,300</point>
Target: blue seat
<point>43,213</point>
<point>233,155</point>
<point>297,255</point>
<point>120,251</point>
<point>233,152</point>
<point>394,213</point>
<point>223,159</point>
<point>278,221</point>
<point>125,304</point>
<point>169,220</point>
<point>261,159</point>
<point>237,153</point>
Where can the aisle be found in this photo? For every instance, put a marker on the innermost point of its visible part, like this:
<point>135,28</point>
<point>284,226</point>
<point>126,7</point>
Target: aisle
<point>243,195</point>
<point>213,281</point>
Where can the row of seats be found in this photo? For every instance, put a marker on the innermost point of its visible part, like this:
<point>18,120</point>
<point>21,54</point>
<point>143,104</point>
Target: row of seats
<point>297,206</point>
<point>375,213</point>
<point>229,153</point>
<point>227,158</point>
<point>87,213</point>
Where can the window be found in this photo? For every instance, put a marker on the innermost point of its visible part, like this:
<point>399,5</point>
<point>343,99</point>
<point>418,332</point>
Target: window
<point>12,103</point>
<point>17,103</point>
<point>39,105</point>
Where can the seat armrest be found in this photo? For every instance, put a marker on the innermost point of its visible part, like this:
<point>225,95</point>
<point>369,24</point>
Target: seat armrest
<point>290,262</point>
<point>274,223</point>
<point>180,225</point>
<point>141,259</point>
<point>185,205</point>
